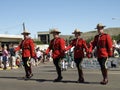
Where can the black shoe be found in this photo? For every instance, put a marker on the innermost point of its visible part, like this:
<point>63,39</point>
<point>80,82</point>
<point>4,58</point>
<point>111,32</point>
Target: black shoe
<point>29,76</point>
<point>104,82</point>
<point>80,80</point>
<point>58,79</point>
<point>26,78</point>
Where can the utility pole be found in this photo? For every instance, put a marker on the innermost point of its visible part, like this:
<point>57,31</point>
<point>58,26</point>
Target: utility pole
<point>23,26</point>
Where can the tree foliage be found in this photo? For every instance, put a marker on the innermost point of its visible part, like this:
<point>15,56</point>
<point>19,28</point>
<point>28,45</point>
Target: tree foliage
<point>37,42</point>
<point>89,40</point>
<point>117,38</point>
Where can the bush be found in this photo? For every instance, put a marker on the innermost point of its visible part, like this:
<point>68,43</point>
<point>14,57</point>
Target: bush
<point>117,38</point>
<point>37,42</point>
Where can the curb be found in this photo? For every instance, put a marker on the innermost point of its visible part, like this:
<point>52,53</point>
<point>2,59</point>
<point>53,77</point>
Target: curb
<point>9,68</point>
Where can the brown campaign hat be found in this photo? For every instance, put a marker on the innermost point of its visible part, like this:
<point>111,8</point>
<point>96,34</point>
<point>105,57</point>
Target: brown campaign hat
<point>100,25</point>
<point>54,30</point>
<point>76,31</point>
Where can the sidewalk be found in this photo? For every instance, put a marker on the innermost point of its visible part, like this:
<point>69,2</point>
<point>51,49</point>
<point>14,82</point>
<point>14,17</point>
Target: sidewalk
<point>8,68</point>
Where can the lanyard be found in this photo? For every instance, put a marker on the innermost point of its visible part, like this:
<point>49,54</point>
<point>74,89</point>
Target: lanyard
<point>54,43</point>
<point>98,40</point>
<point>77,41</point>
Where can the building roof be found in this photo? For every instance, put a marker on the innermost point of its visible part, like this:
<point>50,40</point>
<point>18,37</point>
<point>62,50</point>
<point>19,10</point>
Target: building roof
<point>43,32</point>
<point>10,36</point>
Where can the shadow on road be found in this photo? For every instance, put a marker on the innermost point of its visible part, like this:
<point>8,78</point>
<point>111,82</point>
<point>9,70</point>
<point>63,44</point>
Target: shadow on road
<point>48,80</point>
<point>18,78</point>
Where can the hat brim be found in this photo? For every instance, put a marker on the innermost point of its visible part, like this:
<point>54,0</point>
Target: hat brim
<point>76,32</point>
<point>25,33</point>
<point>100,26</point>
<point>54,32</point>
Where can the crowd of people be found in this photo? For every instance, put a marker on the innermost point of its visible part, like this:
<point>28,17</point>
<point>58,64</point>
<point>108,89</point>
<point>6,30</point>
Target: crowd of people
<point>116,47</point>
<point>102,45</point>
<point>9,59</point>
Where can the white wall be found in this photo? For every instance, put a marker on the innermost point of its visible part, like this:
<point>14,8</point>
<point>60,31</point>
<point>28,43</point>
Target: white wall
<point>42,47</point>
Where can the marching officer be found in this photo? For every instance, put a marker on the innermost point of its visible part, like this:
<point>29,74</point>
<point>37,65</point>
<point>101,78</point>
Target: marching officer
<point>103,43</point>
<point>57,45</point>
<point>28,52</point>
<point>79,46</point>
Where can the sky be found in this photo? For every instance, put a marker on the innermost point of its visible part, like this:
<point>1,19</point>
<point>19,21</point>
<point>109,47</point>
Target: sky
<point>66,15</point>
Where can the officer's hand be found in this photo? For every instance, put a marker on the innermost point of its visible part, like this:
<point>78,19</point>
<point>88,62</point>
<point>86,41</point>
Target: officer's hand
<point>110,56</point>
<point>34,58</point>
<point>89,55</point>
<point>45,53</point>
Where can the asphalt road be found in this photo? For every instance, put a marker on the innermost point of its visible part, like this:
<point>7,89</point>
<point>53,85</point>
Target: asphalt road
<point>44,75</point>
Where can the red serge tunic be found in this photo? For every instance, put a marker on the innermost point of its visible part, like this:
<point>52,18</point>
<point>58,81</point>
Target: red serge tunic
<point>57,45</point>
<point>103,44</point>
<point>79,46</point>
<point>27,46</point>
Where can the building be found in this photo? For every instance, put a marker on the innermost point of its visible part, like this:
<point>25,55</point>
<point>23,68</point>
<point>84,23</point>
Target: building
<point>44,37</point>
<point>6,39</point>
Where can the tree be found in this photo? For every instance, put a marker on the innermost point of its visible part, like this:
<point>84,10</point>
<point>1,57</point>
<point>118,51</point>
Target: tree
<point>37,42</point>
<point>89,40</point>
<point>117,38</point>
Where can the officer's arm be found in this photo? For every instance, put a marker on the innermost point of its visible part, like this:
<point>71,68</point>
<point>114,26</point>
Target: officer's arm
<point>88,54</point>
<point>109,46</point>
<point>32,48</point>
<point>18,47</point>
<point>69,46</point>
<point>92,45</point>
<point>62,45</point>
<point>85,46</point>
<point>47,51</point>
<point>49,48</point>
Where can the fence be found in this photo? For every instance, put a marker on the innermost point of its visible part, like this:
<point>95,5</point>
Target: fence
<point>93,63</point>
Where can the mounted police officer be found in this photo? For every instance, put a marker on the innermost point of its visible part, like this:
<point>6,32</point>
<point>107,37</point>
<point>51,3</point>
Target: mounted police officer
<point>28,52</point>
<point>57,45</point>
<point>103,43</point>
<point>79,45</point>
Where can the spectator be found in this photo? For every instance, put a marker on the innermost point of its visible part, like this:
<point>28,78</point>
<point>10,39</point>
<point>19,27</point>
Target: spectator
<point>5,57</point>
<point>12,56</point>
